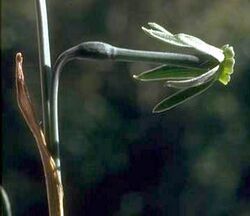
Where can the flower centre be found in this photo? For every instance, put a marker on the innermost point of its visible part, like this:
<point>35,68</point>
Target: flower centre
<point>227,66</point>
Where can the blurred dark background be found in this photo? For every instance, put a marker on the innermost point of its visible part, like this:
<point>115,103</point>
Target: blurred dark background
<point>117,157</point>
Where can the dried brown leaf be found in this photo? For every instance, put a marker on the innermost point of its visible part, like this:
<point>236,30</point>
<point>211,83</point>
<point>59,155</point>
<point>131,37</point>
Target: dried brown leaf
<point>53,181</point>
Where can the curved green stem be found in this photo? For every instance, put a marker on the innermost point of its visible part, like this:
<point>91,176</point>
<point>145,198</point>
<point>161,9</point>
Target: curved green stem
<point>104,51</point>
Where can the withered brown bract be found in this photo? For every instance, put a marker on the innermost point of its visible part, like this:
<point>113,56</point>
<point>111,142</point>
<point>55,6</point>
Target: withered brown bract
<point>53,182</point>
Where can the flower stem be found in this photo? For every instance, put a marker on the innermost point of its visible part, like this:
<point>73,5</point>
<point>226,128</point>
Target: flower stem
<point>128,55</point>
<point>104,51</point>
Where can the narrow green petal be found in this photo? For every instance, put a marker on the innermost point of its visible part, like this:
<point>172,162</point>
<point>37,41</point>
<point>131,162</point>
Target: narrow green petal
<point>201,46</point>
<point>180,97</point>
<point>196,81</point>
<point>164,37</point>
<point>159,28</point>
<point>167,72</point>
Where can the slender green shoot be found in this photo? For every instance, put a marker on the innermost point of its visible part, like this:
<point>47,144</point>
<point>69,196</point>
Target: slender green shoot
<point>45,76</point>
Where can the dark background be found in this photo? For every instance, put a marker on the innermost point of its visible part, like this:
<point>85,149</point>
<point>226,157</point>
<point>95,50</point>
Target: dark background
<point>117,157</point>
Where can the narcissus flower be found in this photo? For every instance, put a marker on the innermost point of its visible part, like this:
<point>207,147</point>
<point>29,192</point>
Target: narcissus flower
<point>190,80</point>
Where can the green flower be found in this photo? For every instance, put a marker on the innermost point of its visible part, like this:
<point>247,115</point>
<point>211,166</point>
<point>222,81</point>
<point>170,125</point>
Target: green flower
<point>190,80</point>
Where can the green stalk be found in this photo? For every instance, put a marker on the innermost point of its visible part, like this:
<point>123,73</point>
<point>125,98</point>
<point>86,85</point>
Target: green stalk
<point>121,54</point>
<point>45,76</point>
<point>44,61</point>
